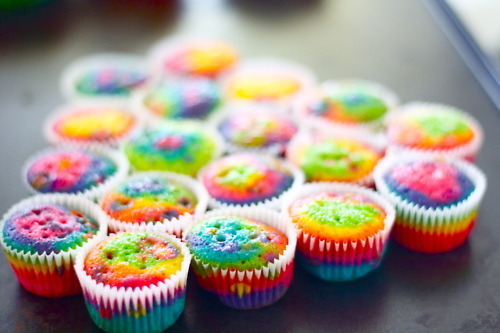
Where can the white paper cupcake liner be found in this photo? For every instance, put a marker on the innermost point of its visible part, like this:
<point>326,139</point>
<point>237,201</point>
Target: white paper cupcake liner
<point>466,151</point>
<point>122,168</point>
<point>174,226</point>
<point>96,62</point>
<point>129,302</point>
<point>271,203</point>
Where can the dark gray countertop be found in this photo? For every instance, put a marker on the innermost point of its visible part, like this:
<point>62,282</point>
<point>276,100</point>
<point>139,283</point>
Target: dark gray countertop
<point>394,42</point>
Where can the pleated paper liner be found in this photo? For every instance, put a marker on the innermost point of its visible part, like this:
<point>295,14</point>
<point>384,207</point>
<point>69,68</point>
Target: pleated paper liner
<point>50,274</point>
<point>467,151</point>
<point>337,260</point>
<point>173,226</point>
<point>121,163</point>
<point>251,288</point>
<point>432,230</point>
<point>142,309</point>
<point>271,203</point>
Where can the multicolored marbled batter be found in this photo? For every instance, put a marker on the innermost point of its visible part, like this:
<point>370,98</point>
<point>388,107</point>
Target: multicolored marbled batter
<point>429,184</point>
<point>430,128</point>
<point>257,129</point>
<point>69,171</point>
<point>133,260</point>
<point>182,148</point>
<point>109,81</point>
<point>235,242</point>
<point>334,159</point>
<point>263,87</point>
<point>47,229</point>
<point>187,98</point>
<point>246,179</point>
<point>207,59</point>
<point>148,198</point>
<point>94,124</point>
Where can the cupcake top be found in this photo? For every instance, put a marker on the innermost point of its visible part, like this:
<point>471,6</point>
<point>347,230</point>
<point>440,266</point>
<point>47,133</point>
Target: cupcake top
<point>109,81</point>
<point>257,129</point>
<point>429,184</point>
<point>246,178</point>
<point>47,228</point>
<point>180,147</point>
<point>93,124</point>
<point>334,159</point>
<point>186,98</point>
<point>148,198</point>
<point>133,260</point>
<point>430,127</point>
<point>235,243</point>
<point>70,171</point>
<point>263,87</point>
<point>338,217</point>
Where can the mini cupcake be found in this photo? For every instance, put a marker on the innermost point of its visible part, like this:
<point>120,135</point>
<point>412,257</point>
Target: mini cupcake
<point>154,201</point>
<point>182,147</point>
<point>134,282</point>
<point>350,104</point>
<point>254,128</point>
<point>249,179</point>
<point>193,57</point>
<point>41,236</point>
<point>188,98</point>
<point>104,77</point>
<point>243,255</point>
<point>269,81</point>
<point>334,159</point>
<point>90,124</point>
<point>434,129</point>
<point>436,200</point>
<point>343,229</point>
<point>74,171</point>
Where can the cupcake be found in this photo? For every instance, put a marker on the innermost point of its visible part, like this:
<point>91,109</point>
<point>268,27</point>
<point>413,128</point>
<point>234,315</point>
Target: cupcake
<point>268,81</point>
<point>41,236</point>
<point>334,159</point>
<point>74,171</point>
<point>434,129</point>
<point>154,201</point>
<point>243,255</point>
<point>91,124</point>
<point>193,57</point>
<point>254,128</point>
<point>355,105</point>
<point>436,200</point>
<point>343,229</point>
<point>249,179</point>
<point>134,282</point>
<point>188,98</point>
<point>104,77</point>
<point>182,147</point>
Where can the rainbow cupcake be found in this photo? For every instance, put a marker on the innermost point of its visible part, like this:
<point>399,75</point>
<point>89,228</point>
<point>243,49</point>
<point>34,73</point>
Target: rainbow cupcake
<point>41,236</point>
<point>343,229</point>
<point>243,255</point>
<point>134,282</point>
<point>436,200</point>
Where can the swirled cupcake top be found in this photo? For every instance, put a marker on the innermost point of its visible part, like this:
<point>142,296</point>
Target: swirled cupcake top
<point>71,171</point>
<point>338,217</point>
<point>47,228</point>
<point>246,179</point>
<point>429,184</point>
<point>182,148</point>
<point>235,243</point>
<point>187,98</point>
<point>109,81</point>
<point>148,198</point>
<point>133,260</point>
<point>263,86</point>
<point>257,129</point>
<point>94,124</point>
<point>334,159</point>
<point>433,127</point>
